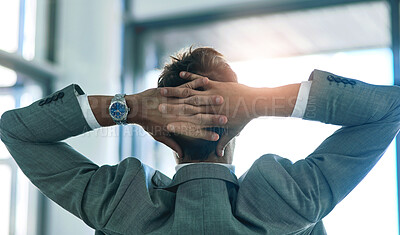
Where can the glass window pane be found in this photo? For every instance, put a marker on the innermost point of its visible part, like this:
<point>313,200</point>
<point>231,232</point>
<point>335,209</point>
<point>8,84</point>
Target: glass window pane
<point>28,51</point>
<point>21,218</point>
<point>7,102</point>
<point>31,93</point>
<point>8,77</point>
<point>9,25</point>
<point>3,151</point>
<point>5,196</point>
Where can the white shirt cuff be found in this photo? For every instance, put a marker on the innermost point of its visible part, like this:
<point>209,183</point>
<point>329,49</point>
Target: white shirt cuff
<point>87,111</point>
<point>302,100</point>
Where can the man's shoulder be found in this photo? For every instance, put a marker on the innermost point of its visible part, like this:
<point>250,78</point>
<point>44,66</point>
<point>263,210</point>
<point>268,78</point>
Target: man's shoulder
<point>267,164</point>
<point>270,160</point>
<point>143,172</point>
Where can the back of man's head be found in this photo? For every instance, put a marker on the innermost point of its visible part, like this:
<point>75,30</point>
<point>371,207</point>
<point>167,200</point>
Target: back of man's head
<point>206,62</point>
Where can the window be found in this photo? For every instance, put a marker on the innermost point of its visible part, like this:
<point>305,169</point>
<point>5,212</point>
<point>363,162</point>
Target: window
<point>18,25</point>
<point>5,198</point>
<point>8,77</point>
<point>350,40</point>
<point>9,24</point>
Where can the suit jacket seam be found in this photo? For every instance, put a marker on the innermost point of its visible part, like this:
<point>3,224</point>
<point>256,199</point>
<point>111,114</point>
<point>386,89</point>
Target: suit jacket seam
<point>327,183</point>
<point>123,195</point>
<point>258,168</point>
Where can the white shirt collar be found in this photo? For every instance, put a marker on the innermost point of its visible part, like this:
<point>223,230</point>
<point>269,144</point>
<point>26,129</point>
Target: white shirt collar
<point>229,166</point>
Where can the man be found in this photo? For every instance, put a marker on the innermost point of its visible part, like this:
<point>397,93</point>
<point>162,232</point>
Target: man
<point>275,196</point>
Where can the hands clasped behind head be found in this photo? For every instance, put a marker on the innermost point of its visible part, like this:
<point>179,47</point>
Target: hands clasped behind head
<point>206,108</point>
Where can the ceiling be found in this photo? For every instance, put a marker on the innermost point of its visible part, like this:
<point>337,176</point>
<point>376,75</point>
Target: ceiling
<point>331,29</point>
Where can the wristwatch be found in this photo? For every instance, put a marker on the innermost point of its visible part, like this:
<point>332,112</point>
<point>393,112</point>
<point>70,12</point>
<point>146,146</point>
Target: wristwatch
<point>119,109</point>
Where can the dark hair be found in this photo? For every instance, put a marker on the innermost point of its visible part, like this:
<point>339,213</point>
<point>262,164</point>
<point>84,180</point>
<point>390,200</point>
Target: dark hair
<point>207,62</point>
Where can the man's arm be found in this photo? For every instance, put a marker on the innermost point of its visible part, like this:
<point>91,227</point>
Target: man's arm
<point>145,111</point>
<point>369,114</point>
<point>33,136</point>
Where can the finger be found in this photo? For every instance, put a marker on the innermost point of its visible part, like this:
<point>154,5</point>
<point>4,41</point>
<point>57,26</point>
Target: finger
<point>192,130</point>
<point>197,100</point>
<point>178,92</point>
<point>189,76</point>
<point>181,109</point>
<point>187,109</point>
<point>170,143</point>
<point>203,100</point>
<point>205,120</point>
<point>199,82</point>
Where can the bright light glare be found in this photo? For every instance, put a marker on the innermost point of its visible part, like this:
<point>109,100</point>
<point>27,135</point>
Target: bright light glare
<point>22,204</point>
<point>7,102</point>
<point>372,207</point>
<point>5,185</point>
<point>9,21</point>
<point>374,66</point>
<point>26,99</point>
<point>7,77</point>
<point>29,30</point>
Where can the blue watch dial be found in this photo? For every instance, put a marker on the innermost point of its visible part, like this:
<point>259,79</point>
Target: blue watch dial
<point>118,110</point>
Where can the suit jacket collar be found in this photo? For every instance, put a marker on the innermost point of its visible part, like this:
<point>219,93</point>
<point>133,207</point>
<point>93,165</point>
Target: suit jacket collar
<point>229,166</point>
<point>200,171</point>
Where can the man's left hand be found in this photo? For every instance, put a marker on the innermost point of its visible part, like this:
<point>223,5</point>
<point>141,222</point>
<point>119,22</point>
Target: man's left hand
<point>147,111</point>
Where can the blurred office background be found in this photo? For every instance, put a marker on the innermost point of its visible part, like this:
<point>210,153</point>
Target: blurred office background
<point>111,46</point>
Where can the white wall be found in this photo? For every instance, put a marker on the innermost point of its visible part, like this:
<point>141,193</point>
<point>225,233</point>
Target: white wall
<point>88,53</point>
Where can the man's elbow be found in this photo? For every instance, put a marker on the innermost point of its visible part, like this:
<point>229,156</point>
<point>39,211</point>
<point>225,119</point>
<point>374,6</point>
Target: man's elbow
<point>394,114</point>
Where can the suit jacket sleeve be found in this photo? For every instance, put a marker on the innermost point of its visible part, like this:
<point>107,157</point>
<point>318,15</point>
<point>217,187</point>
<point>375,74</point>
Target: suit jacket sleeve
<point>370,116</point>
<point>33,136</point>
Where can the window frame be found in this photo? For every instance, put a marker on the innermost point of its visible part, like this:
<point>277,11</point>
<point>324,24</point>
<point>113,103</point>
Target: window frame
<point>44,73</point>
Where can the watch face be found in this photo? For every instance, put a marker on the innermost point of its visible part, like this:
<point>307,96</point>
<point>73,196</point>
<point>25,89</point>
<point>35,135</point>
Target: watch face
<point>118,110</point>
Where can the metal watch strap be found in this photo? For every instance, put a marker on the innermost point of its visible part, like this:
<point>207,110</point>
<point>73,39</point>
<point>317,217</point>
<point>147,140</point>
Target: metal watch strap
<point>118,97</point>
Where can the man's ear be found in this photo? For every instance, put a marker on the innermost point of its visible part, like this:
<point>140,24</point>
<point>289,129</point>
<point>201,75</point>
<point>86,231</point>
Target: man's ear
<point>176,155</point>
<point>178,158</point>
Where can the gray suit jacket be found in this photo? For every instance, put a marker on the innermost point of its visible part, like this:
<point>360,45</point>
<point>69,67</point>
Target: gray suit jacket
<point>275,196</point>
